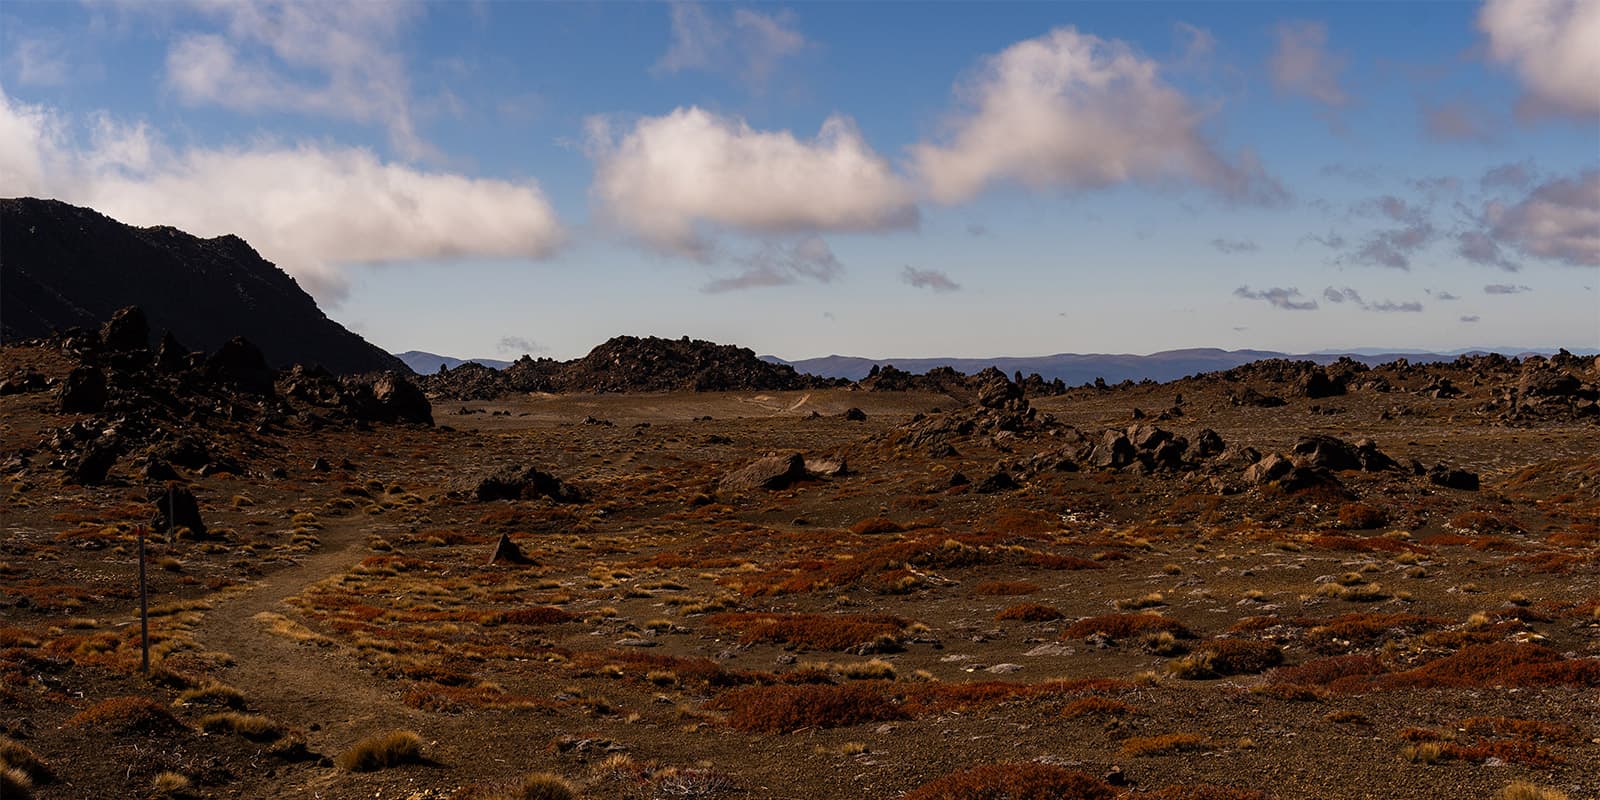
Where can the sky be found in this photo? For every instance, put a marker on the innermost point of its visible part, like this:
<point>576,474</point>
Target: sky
<point>488,179</point>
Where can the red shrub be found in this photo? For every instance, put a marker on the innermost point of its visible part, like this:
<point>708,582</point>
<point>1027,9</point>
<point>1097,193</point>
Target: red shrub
<point>1121,626</point>
<point>537,615</point>
<point>1325,671</point>
<point>782,709</point>
<point>1024,781</point>
<point>130,714</point>
<point>1029,612</point>
<point>872,525</point>
<point>817,631</point>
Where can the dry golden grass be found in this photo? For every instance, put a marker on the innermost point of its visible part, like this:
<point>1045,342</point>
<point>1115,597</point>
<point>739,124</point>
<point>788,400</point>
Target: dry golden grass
<point>1165,744</point>
<point>381,752</point>
<point>170,784</point>
<point>1522,790</point>
<point>15,755</point>
<point>538,786</point>
<point>250,726</point>
<point>15,783</point>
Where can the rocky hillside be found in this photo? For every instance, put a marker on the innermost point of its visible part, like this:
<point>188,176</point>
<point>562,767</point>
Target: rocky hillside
<point>68,267</point>
<point>627,364</point>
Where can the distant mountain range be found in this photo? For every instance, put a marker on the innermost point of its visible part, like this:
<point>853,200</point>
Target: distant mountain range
<point>1072,368</point>
<point>424,363</point>
<point>62,266</point>
<point>1076,369</point>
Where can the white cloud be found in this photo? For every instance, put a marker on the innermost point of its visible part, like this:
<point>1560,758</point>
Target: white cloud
<point>254,63</point>
<point>310,209</point>
<point>748,46</point>
<point>1551,44</point>
<point>1559,220</point>
<point>1073,111</point>
<point>669,177</point>
<point>1278,297</point>
<point>1301,64</point>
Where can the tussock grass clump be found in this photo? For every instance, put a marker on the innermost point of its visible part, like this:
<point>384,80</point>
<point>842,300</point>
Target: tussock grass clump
<point>873,525</point>
<point>212,693</point>
<point>538,786</point>
<point>1014,781</point>
<point>1122,626</point>
<point>1150,600</point>
<point>15,755</point>
<point>170,784</point>
<point>537,615</point>
<point>15,783</point>
<point>251,726</point>
<point>381,752</point>
<point>1029,612</point>
<point>130,714</point>
<point>1522,790</point>
<point>1165,744</point>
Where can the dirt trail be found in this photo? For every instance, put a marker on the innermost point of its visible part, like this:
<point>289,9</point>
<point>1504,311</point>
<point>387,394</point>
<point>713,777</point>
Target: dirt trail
<point>298,683</point>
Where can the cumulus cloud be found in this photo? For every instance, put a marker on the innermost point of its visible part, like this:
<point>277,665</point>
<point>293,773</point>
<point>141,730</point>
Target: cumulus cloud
<point>1481,248</point>
<point>749,45</point>
<point>1333,295</point>
<point>1301,63</point>
<point>1550,44</point>
<point>1391,247</point>
<point>1278,297</point>
<point>782,263</point>
<point>1070,110</point>
<point>931,279</point>
<point>310,209</point>
<point>1231,246</point>
<point>1505,288</point>
<point>669,177</point>
<point>1558,221</point>
<point>336,60</point>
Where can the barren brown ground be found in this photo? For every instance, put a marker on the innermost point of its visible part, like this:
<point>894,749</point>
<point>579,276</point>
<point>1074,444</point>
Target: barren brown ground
<point>639,670</point>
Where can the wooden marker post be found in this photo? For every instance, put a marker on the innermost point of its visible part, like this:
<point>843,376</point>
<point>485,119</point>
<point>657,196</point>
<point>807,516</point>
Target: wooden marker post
<point>144,612</point>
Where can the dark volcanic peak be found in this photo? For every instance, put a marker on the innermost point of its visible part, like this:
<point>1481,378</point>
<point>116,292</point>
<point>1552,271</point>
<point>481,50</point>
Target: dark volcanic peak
<point>65,267</point>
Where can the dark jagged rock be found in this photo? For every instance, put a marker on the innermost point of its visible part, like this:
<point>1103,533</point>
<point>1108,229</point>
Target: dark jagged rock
<point>176,508</point>
<point>68,267</point>
<point>507,552</point>
<point>126,330</point>
<point>241,363</point>
<point>399,400</point>
<point>1208,444</point>
<point>24,381</point>
<point>999,481</point>
<point>1450,478</point>
<point>171,355</point>
<point>1251,397</point>
<point>527,484</point>
<point>1335,454</point>
<point>854,414</point>
<point>83,392</point>
<point>1316,384</point>
<point>94,462</point>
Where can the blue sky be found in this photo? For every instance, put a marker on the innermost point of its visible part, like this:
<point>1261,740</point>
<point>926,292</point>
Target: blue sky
<point>881,179</point>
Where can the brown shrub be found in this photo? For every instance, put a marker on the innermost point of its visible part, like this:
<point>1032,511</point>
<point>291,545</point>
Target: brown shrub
<point>1005,588</point>
<point>1029,612</point>
<point>380,752</point>
<point>1361,517</point>
<point>1203,791</point>
<point>874,525</point>
<point>817,631</point>
<point>1364,630</point>
<point>1122,626</point>
<point>16,755</point>
<point>1497,664</point>
<point>129,714</point>
<point>1097,706</point>
<point>782,709</point>
<point>537,615</point>
<point>1015,781</point>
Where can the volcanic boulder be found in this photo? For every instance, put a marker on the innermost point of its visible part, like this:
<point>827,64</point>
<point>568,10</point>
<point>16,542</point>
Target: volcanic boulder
<point>770,472</point>
<point>400,400</point>
<point>1451,478</point>
<point>83,391</point>
<point>176,508</point>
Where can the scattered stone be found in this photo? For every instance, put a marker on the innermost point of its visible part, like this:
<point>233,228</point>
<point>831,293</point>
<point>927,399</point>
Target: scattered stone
<point>176,508</point>
<point>83,391</point>
<point>771,472</point>
<point>1450,478</point>
<point>854,414</point>
<point>526,484</point>
<point>507,552</point>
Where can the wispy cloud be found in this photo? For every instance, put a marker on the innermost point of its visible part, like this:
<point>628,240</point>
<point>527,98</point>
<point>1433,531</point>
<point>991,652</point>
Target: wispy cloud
<point>1232,246</point>
<point>1505,288</point>
<point>1349,295</point>
<point>521,345</point>
<point>932,279</point>
<point>781,264</point>
<point>1301,64</point>
<point>1469,318</point>
<point>748,46</point>
<point>1277,297</point>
